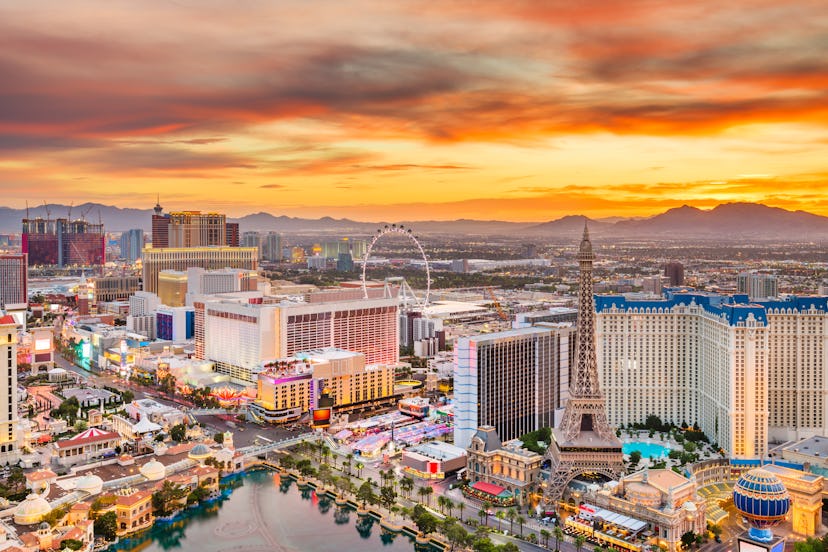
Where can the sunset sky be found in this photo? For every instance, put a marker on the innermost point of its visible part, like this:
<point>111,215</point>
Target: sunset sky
<point>402,109</point>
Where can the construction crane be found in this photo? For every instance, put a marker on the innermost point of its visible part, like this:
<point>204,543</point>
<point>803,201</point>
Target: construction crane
<point>500,312</point>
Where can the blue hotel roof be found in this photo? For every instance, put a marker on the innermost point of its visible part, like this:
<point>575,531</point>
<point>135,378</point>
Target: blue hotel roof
<point>734,308</point>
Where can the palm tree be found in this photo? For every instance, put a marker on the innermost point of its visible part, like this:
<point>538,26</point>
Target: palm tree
<point>349,459</point>
<point>359,466</point>
<point>422,492</point>
<point>406,484</point>
<point>484,517</point>
<point>450,505</point>
<point>511,514</point>
<point>428,492</point>
<point>521,520</point>
<point>559,536</point>
<point>545,535</point>
<point>461,506</point>
<point>441,502</point>
<point>580,540</point>
<point>500,515</point>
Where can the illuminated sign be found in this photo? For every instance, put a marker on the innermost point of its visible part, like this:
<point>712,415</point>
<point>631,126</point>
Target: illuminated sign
<point>321,417</point>
<point>43,344</point>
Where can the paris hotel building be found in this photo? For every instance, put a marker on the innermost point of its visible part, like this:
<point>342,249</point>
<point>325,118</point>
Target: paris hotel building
<point>747,372</point>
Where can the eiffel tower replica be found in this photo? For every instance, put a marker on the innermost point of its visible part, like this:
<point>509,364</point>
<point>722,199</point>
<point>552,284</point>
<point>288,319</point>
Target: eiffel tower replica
<point>584,442</point>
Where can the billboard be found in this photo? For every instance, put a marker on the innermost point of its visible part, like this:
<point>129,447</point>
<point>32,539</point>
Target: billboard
<point>321,417</point>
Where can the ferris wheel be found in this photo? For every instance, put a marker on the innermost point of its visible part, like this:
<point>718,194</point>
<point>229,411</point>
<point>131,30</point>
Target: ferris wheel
<point>405,290</point>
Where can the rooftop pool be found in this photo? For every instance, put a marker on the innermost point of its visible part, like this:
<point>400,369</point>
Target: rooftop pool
<point>647,450</point>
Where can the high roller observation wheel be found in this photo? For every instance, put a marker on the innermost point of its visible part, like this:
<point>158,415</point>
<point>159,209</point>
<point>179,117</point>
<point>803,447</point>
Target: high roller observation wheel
<point>407,232</point>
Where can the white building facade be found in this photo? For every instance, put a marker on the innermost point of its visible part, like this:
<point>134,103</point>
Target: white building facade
<point>512,380</point>
<point>736,368</point>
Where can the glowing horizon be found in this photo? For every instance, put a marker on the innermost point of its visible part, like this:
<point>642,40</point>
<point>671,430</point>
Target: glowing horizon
<point>521,111</point>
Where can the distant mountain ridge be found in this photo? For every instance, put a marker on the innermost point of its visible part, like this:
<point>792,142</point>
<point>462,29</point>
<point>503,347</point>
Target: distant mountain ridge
<point>732,221</point>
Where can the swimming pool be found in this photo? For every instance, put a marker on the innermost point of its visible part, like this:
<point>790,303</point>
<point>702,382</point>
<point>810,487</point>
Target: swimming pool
<point>647,450</point>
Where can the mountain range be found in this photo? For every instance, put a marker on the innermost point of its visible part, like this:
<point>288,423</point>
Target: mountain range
<point>729,221</point>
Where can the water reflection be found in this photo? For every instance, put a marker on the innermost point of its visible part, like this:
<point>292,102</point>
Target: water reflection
<point>325,503</point>
<point>258,509</point>
<point>363,526</point>
<point>342,515</point>
<point>387,537</point>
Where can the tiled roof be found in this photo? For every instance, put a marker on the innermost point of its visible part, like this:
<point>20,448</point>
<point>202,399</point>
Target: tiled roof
<point>134,498</point>
<point>40,475</point>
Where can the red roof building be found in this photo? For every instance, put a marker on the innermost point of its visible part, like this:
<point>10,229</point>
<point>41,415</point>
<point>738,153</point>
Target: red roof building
<point>92,444</point>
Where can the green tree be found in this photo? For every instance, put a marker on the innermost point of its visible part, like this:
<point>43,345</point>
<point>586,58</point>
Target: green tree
<point>106,526</point>
<point>545,534</point>
<point>425,492</point>
<point>484,517</point>
<point>461,506</point>
<point>559,536</point>
<point>178,433</point>
<point>164,498</point>
<point>580,541</point>
<point>406,485</point>
<point>426,523</point>
<point>388,496</point>
<point>500,515</point>
<point>688,539</point>
<point>359,466</point>
<point>520,520</point>
<point>365,494</point>
<point>653,423</point>
<point>54,517</point>
<point>127,396</point>
<point>456,535</point>
<point>511,515</point>
<point>635,458</point>
<point>218,437</point>
<point>716,529</point>
<point>71,544</point>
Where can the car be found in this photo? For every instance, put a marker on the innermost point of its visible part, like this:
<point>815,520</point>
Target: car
<point>718,539</point>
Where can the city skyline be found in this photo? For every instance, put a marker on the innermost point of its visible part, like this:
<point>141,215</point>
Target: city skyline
<point>524,112</point>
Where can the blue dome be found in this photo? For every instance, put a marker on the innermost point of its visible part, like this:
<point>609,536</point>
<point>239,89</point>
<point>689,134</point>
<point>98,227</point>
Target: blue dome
<point>200,451</point>
<point>761,498</point>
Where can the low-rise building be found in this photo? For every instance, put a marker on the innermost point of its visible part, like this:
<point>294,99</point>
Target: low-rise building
<point>433,460</point>
<point>664,500</point>
<point>133,509</point>
<point>505,465</point>
<point>93,444</point>
<point>163,415</point>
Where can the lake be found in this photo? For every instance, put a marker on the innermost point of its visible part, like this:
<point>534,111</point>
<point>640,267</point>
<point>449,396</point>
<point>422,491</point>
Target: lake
<point>261,511</point>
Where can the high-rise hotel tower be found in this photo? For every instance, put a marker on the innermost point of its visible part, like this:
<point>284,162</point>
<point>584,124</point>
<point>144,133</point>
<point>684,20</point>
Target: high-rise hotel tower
<point>745,371</point>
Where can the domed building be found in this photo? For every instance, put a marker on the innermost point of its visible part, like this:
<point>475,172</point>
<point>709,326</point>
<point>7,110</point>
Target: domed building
<point>661,502</point>
<point>31,510</point>
<point>91,484</point>
<point>763,500</point>
<point>200,453</point>
<point>153,470</point>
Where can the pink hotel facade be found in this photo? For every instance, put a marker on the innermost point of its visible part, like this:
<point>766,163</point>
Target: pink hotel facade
<point>240,331</point>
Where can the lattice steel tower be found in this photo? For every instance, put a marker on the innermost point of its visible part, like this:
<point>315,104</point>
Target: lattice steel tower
<point>584,443</point>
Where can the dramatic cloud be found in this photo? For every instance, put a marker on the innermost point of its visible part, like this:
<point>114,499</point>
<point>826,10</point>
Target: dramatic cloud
<point>441,103</point>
